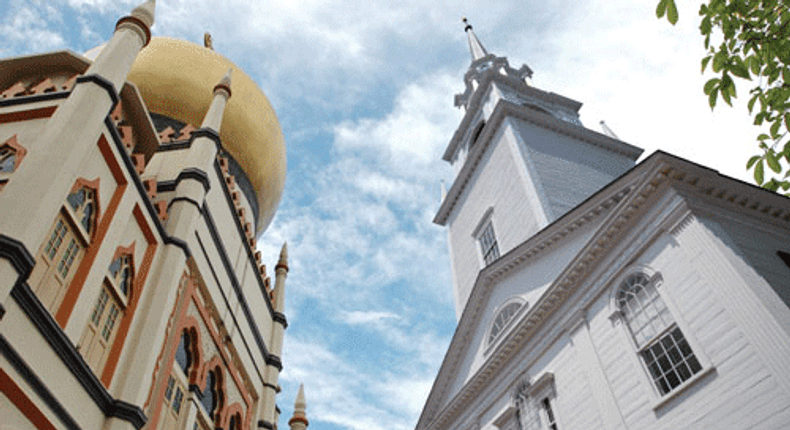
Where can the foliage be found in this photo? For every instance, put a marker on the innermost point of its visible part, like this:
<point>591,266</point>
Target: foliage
<point>755,46</point>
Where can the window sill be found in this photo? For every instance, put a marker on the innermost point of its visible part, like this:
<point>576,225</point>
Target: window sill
<point>660,403</point>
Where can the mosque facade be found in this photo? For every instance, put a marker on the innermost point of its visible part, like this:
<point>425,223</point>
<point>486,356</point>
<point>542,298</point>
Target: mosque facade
<point>595,292</point>
<point>133,188</point>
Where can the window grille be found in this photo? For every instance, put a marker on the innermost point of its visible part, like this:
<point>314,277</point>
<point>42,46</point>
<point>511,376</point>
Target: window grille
<point>662,346</point>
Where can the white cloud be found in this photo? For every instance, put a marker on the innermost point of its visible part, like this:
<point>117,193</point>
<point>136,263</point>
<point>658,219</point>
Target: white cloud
<point>365,317</point>
<point>27,29</point>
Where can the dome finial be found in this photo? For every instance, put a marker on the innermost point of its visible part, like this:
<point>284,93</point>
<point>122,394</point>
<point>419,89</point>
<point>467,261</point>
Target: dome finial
<point>207,41</point>
<point>466,23</point>
<point>145,12</point>
<point>299,419</point>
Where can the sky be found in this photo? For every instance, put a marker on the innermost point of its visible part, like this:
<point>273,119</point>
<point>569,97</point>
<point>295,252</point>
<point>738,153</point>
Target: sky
<point>364,94</point>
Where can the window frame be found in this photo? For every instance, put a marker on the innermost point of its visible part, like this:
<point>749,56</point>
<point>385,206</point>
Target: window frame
<point>486,222</point>
<point>543,388</point>
<point>638,362</point>
<point>490,343</point>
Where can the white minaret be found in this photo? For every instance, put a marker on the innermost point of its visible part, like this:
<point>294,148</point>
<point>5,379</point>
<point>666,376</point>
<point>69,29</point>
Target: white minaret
<point>522,159</point>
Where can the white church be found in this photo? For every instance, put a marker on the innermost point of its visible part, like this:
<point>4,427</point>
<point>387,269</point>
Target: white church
<point>593,292</point>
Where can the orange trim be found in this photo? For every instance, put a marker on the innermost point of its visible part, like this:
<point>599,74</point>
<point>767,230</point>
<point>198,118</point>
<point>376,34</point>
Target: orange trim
<point>124,250</point>
<point>138,281</point>
<point>234,409</point>
<point>23,403</point>
<point>168,350</point>
<point>20,150</point>
<point>78,281</point>
<point>25,115</point>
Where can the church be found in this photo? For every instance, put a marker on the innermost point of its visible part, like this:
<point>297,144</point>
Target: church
<point>595,292</point>
<point>134,183</point>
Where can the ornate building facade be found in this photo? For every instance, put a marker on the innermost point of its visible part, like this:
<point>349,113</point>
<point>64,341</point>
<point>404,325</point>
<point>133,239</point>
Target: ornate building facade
<point>597,293</point>
<point>133,188</point>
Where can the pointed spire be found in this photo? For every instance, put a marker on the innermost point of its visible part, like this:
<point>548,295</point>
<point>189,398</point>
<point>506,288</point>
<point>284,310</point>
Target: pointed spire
<point>213,118</point>
<point>299,419</point>
<point>145,12</point>
<point>283,261</point>
<point>475,47</point>
<point>224,83</point>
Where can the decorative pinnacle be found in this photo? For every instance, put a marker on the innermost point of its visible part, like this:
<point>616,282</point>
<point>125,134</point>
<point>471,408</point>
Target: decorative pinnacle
<point>301,403</point>
<point>145,12</point>
<point>283,257</point>
<point>299,418</point>
<point>224,83</point>
<point>207,41</point>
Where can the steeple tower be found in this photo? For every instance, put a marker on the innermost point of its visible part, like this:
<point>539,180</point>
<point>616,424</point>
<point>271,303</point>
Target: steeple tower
<point>522,159</point>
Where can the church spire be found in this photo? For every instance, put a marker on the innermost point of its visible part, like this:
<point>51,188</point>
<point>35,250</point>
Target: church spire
<point>475,47</point>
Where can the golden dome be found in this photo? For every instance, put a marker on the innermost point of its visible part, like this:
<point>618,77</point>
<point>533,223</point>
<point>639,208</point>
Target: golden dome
<point>176,78</point>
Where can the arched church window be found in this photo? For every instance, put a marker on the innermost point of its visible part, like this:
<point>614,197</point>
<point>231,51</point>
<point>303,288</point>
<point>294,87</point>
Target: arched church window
<point>502,319</point>
<point>661,344</point>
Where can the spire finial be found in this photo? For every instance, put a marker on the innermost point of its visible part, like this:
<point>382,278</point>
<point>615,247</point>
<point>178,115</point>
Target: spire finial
<point>145,12</point>
<point>299,419</point>
<point>224,83</point>
<point>475,47</point>
<point>283,255</point>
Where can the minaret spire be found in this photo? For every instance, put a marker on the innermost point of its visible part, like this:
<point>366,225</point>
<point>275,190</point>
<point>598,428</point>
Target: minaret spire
<point>299,419</point>
<point>475,47</point>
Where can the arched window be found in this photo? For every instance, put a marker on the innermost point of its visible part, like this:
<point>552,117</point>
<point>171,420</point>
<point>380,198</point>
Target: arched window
<point>7,159</point>
<point>210,396</point>
<point>63,249</point>
<point>108,312</point>
<point>183,357</point>
<point>502,319</point>
<point>662,346</point>
<point>83,204</point>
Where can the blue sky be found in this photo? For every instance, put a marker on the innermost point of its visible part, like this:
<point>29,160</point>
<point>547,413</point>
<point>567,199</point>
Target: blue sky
<point>364,93</point>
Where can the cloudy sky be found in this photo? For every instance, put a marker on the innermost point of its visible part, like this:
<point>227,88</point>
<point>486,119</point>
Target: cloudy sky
<point>364,92</point>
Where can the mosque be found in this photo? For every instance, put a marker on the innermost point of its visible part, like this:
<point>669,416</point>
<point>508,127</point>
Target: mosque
<point>133,187</point>
<point>595,292</point>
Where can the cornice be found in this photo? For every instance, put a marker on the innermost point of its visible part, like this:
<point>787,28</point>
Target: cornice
<point>505,109</point>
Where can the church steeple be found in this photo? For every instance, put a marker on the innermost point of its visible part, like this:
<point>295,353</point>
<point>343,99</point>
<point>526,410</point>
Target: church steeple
<point>475,47</point>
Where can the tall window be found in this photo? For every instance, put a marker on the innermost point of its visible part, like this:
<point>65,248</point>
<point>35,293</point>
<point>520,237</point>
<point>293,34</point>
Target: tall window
<point>534,403</point>
<point>662,346</point>
<point>176,391</point>
<point>108,311</point>
<point>62,251</point>
<point>488,244</point>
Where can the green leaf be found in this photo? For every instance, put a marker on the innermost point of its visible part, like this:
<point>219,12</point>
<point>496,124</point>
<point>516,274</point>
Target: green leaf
<point>773,163</point>
<point>758,173</point>
<point>672,12</point>
<point>763,136</point>
<point>705,26</point>
<point>661,8</point>
<point>786,75</point>
<point>739,70</point>
<point>750,105</point>
<point>771,185</point>
<point>712,99</point>
<point>705,62</point>
<point>775,129</point>
<point>725,94</point>
<point>711,85</point>
<point>751,162</point>
<point>787,121</point>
